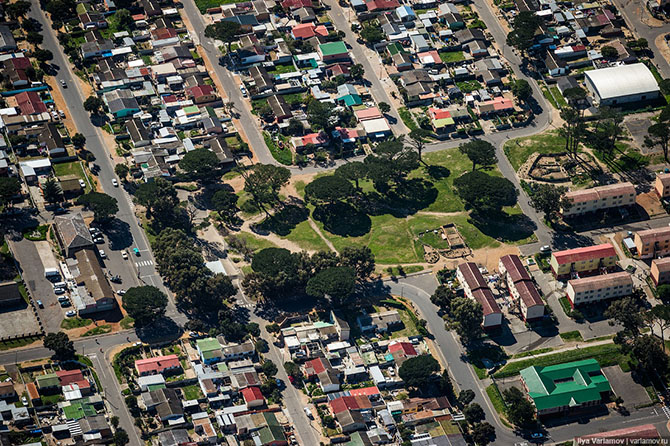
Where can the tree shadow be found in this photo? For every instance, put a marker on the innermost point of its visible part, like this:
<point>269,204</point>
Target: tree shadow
<point>437,172</point>
<point>162,330</point>
<point>504,227</point>
<point>405,199</point>
<point>202,200</point>
<point>118,232</point>
<point>283,221</point>
<point>343,219</point>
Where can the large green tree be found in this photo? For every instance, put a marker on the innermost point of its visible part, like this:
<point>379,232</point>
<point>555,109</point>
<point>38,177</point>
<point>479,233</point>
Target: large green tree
<point>524,25</point>
<point>549,200</point>
<point>417,371</point>
<point>520,411</point>
<point>264,183</point>
<point>352,171</point>
<point>93,104</point>
<point>390,164</point>
<point>201,163</point>
<point>9,188</point>
<point>484,193</point>
<point>658,135</point>
<point>626,312</point>
<point>103,206</point>
<point>224,202</point>
<point>521,90</point>
<point>17,9</point>
<point>360,259</point>
<point>335,283</point>
<point>225,31</point>
<point>145,304</point>
<point>650,355</point>
<point>467,316</point>
<point>160,198</point>
<point>52,191</point>
<point>60,344</point>
<point>328,189</point>
<point>481,153</point>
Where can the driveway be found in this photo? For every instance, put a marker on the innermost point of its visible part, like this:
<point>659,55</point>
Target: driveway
<point>31,257</point>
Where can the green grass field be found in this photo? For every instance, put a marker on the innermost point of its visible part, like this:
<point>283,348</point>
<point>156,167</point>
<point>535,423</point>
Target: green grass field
<point>305,236</point>
<point>520,149</point>
<point>73,168</point>
<point>192,392</point>
<point>496,398</point>
<point>204,5</point>
<point>452,56</point>
<point>75,322</point>
<point>572,336</point>
<point>606,355</point>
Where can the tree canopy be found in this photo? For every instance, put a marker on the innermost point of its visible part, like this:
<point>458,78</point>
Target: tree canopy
<point>372,34</point>
<point>519,410</point>
<point>524,26</point>
<point>336,283</point>
<point>467,316</point>
<point>485,193</point>
<point>360,259</point>
<point>521,90</point>
<point>224,202</point>
<point>202,163</point>
<point>93,104</point>
<point>549,200</point>
<point>481,153</point>
<point>328,189</point>
<point>145,304</point>
<point>225,31</point>
<point>418,370</point>
<point>264,183</point>
<point>352,171</point>
<point>52,191</point>
<point>9,188</point>
<point>103,206</point>
<point>60,344</point>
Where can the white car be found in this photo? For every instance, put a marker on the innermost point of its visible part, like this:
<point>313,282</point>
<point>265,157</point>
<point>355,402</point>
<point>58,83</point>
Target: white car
<point>81,183</point>
<point>71,313</point>
<point>63,83</point>
<point>121,292</point>
<point>24,400</point>
<point>102,253</point>
<point>59,291</point>
<point>243,91</point>
<point>124,254</point>
<point>115,183</point>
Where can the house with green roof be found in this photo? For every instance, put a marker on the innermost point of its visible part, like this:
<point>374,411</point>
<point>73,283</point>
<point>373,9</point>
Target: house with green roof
<point>47,381</point>
<point>209,350</point>
<point>333,51</point>
<point>566,387</point>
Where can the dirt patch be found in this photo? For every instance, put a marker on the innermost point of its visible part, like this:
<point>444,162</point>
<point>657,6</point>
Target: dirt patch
<point>488,257</point>
<point>59,100</point>
<point>651,204</point>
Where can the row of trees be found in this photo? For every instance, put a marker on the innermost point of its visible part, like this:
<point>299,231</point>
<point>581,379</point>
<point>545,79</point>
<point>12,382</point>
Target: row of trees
<point>464,315</point>
<point>278,273</point>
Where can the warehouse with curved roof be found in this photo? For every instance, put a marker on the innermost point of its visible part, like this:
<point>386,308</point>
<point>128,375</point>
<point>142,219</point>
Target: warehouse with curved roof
<point>622,84</point>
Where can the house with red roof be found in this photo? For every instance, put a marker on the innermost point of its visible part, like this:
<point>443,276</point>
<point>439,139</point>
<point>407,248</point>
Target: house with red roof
<point>495,106</point>
<point>317,140</point>
<point>429,58</point>
<point>371,391</point>
<point>296,4</point>
<point>405,347</point>
<point>253,397</point>
<point>315,366</point>
<point>76,377</point>
<point>475,287</point>
<point>381,5</point>
<point>583,261</point>
<point>201,94</point>
<point>305,31</point>
<point>158,364</point>
<point>359,403</point>
<point>29,103</point>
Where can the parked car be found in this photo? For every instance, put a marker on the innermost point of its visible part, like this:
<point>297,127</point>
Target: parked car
<point>102,253</point>
<point>40,304</point>
<point>136,251</point>
<point>59,291</point>
<point>99,240</point>
<point>124,254</point>
<point>65,303</point>
<point>545,249</point>
<point>121,292</point>
<point>81,183</point>
<point>115,183</point>
<point>63,298</point>
<point>24,400</point>
<point>71,313</point>
<point>243,91</point>
<point>309,413</point>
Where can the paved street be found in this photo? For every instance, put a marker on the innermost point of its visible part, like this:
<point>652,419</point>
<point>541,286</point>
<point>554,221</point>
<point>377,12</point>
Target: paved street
<point>125,233</point>
<point>418,289</point>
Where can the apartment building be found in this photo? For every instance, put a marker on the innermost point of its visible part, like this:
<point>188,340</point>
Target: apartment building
<point>660,271</point>
<point>597,288</point>
<point>582,261</point>
<point>475,287</point>
<point>599,198</point>
<point>652,242</point>
<point>662,185</point>
<point>521,287</point>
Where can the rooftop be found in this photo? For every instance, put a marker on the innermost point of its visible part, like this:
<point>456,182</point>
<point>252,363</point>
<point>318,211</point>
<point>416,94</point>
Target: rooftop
<point>585,253</point>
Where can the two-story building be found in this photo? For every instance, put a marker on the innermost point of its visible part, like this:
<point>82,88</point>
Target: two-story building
<point>475,287</point>
<point>582,261</point>
<point>596,288</point>
<point>652,242</point>
<point>600,198</point>
<point>521,287</point>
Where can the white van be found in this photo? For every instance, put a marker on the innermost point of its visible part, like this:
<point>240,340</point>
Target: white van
<point>60,285</point>
<point>52,273</point>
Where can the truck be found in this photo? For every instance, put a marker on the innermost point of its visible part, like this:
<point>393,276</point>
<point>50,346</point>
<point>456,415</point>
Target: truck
<point>52,273</point>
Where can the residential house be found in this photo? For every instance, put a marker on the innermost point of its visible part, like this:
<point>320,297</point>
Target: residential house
<point>401,351</point>
<point>596,288</point>
<point>378,6</point>
<point>555,66</point>
<point>660,271</point>
<point>476,288</point>
<point>93,293</point>
<point>158,365</point>
<point>239,351</point>
<point>7,42</point>
<point>50,141</point>
<point>600,198</point>
<point>470,35</point>
<point>280,109</point>
<point>304,15</point>
<point>662,185</point>
<point>219,146</point>
<point>341,326</point>
<point>165,403</point>
<point>75,379</point>
<point>566,388</point>
<point>203,427</point>
<point>374,123</point>
<point>416,83</point>
<point>72,233</point>
<point>262,80</point>
<point>521,287</point>
<point>139,134</point>
<point>350,421</point>
<point>499,105</point>
<point>652,243</point>
<point>47,382</point>
<point>582,261</point>
<point>253,397</point>
<point>14,70</point>
<point>7,390</point>
<point>174,437</point>
<point>30,103</point>
<point>92,20</point>
<point>333,52</point>
<point>383,321</point>
<point>209,350</point>
<point>202,94</point>
<point>93,427</point>
<point>121,103</point>
<point>441,120</point>
<point>314,140</point>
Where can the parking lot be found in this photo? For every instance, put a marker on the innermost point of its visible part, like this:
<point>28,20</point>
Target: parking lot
<point>633,394</point>
<point>29,256</point>
<point>18,321</point>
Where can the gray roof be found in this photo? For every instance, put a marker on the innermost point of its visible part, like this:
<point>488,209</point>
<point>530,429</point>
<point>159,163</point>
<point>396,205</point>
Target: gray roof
<point>73,231</point>
<point>624,80</point>
<point>6,38</point>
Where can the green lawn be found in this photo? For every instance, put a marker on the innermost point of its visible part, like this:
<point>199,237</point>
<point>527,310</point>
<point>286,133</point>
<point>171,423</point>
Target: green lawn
<point>468,86</point>
<point>409,328</point>
<point>100,329</point>
<point>607,354</point>
<point>204,5</point>
<point>407,118</point>
<point>192,392</point>
<point>283,155</point>
<point>127,322</point>
<point>560,100</point>
<point>452,56</point>
<point>280,69</point>
<point>16,343</point>
<point>532,352</point>
<point>305,236</point>
<point>73,168</point>
<point>254,242</point>
<point>571,336</point>
<point>520,149</point>
<point>74,322</point>
<point>496,398</point>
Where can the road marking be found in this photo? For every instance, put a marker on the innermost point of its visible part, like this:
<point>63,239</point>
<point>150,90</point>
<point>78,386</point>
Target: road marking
<point>144,263</point>
<point>666,411</point>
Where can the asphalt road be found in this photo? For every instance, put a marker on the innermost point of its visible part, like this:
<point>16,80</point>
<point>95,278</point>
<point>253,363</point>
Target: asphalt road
<point>91,347</point>
<point>418,289</point>
<point>125,233</point>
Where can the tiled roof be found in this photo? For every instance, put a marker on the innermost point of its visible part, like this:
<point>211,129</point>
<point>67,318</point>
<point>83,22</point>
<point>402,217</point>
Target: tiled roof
<point>405,347</point>
<point>621,278</point>
<point>514,267</point>
<point>585,253</point>
<point>252,394</point>
<point>473,278</point>
<point>528,293</point>
<point>156,364</point>
<point>485,298</point>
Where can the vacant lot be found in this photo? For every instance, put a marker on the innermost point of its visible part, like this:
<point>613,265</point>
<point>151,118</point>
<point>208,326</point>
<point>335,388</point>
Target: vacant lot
<point>520,149</point>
